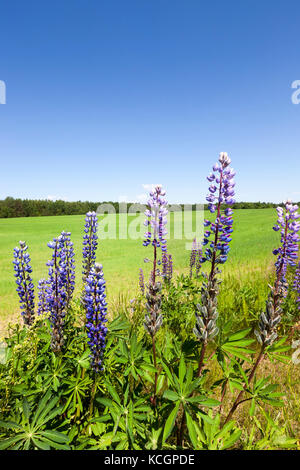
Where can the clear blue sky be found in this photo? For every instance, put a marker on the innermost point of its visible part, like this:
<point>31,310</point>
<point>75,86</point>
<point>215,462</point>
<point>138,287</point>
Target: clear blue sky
<point>105,96</point>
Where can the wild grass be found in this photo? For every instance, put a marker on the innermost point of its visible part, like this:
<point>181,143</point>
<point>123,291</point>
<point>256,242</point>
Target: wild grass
<point>247,270</point>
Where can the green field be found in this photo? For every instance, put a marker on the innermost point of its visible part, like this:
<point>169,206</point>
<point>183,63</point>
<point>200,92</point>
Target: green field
<point>250,256</point>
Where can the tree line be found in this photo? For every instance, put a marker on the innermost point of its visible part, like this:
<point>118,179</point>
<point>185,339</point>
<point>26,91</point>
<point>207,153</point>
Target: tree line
<point>11,207</point>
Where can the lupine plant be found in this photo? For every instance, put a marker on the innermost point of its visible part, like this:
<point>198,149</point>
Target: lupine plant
<point>216,238</point>
<point>296,284</point>
<point>96,311</point>
<point>195,258</point>
<point>90,243</point>
<point>167,267</point>
<point>156,221</point>
<point>25,287</point>
<point>42,295</point>
<point>57,291</point>
<point>70,266</point>
<point>142,281</point>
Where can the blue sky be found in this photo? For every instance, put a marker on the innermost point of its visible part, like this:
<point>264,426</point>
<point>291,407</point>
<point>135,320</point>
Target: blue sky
<point>104,97</point>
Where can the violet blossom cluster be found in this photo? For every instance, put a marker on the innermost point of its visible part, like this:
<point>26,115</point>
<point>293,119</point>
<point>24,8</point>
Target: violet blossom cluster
<point>221,192</point>
<point>218,236</point>
<point>90,243</point>
<point>156,219</point>
<point>42,295</point>
<point>57,291</point>
<point>195,258</point>
<point>266,333</point>
<point>167,267</point>
<point>96,310</point>
<point>25,287</point>
<point>155,222</point>
<point>288,226</point>
<point>70,266</point>
<point>296,284</point>
<point>142,281</point>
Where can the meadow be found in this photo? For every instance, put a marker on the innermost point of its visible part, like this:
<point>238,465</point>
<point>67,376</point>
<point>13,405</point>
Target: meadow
<point>156,381</point>
<point>251,260</point>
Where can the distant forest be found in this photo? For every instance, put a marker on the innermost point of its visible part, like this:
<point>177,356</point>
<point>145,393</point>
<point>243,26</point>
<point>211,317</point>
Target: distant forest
<point>11,207</point>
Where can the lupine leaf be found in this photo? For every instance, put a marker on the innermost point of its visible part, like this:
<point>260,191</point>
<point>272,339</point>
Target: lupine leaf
<point>170,422</point>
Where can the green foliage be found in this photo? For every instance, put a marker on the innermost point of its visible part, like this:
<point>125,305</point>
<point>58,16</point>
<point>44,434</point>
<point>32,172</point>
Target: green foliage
<point>50,401</point>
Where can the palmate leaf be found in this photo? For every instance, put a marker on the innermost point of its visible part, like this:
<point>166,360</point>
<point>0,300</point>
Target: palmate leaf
<point>274,352</point>
<point>236,344</point>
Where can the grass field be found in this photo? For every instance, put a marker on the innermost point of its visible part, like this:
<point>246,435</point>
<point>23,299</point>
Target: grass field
<point>250,257</point>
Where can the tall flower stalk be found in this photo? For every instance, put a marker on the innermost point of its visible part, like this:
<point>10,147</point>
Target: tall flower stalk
<point>155,222</point>
<point>167,267</point>
<point>70,266</point>
<point>142,281</point>
<point>42,295</point>
<point>216,240</point>
<point>266,333</point>
<point>57,291</point>
<point>296,284</point>
<point>96,311</point>
<point>90,243</point>
<point>195,258</point>
<point>25,287</point>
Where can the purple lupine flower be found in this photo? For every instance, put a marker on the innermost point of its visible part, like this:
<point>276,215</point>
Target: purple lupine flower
<point>198,259</point>
<point>164,260</point>
<point>193,256</point>
<point>217,236</point>
<point>170,268</point>
<point>42,295</point>
<point>167,270</point>
<point>286,254</point>
<point>96,310</point>
<point>70,266</point>
<point>25,287</point>
<point>90,242</point>
<point>156,223</point>
<point>142,281</point>
<point>57,291</point>
<point>296,284</point>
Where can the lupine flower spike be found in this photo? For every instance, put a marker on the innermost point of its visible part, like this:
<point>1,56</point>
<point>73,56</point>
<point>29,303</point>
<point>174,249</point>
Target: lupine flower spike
<point>156,221</point>
<point>90,243</point>
<point>42,294</point>
<point>57,292</point>
<point>25,287</point>
<point>296,284</point>
<point>198,260</point>
<point>70,266</point>
<point>142,281</point>
<point>167,267</point>
<point>96,310</point>
<point>286,254</point>
<point>170,268</point>
<point>217,238</point>
<point>193,256</point>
